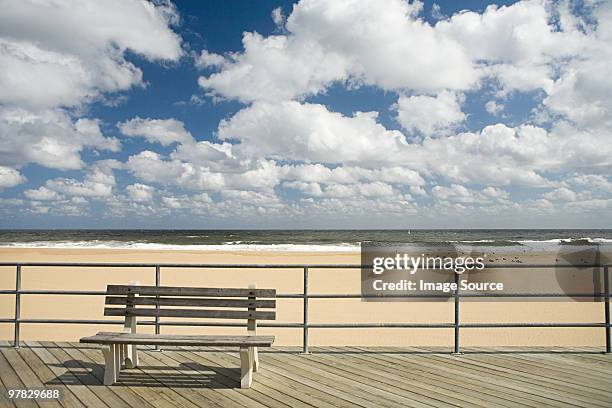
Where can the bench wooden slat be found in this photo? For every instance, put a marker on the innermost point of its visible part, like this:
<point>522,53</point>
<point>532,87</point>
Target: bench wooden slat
<point>182,291</point>
<point>131,301</point>
<point>169,301</point>
<point>178,340</point>
<point>196,313</point>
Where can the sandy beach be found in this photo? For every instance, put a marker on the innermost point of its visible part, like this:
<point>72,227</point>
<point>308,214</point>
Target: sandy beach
<point>289,310</point>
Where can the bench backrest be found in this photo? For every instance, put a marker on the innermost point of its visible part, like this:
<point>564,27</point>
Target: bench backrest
<point>167,301</point>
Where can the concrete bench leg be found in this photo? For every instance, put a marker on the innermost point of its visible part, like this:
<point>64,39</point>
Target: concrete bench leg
<point>246,367</point>
<point>131,356</point>
<point>121,355</point>
<point>117,360</point>
<point>110,364</point>
<point>255,359</point>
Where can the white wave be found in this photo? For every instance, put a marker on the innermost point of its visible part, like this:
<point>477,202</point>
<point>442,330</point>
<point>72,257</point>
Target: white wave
<point>569,240</point>
<point>241,246</point>
<point>344,247</point>
<point>475,241</point>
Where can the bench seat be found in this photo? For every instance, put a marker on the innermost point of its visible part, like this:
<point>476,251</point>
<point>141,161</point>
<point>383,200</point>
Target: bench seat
<point>178,340</point>
<point>131,301</point>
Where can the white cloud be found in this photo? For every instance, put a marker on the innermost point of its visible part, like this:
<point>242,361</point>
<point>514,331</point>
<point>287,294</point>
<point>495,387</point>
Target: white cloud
<point>595,182</point>
<point>10,177</point>
<point>436,12</point>
<point>503,155</point>
<point>11,202</point>
<point>162,131</point>
<point>590,205</point>
<point>207,60</point>
<point>324,45</point>
<point>309,132</point>
<point>49,138</point>
<point>496,193</point>
<point>494,108</point>
<point>497,155</point>
<point>98,182</point>
<point>154,168</point>
<point>461,199</point>
<point>278,17</point>
<point>42,193</point>
<point>275,68</point>
<point>582,92</point>
<point>336,163</point>
<point>560,194</point>
<point>140,192</point>
<point>151,167</point>
<point>430,115</point>
<point>351,175</point>
<point>63,53</point>
<point>456,193</point>
<point>373,190</point>
<point>213,155</point>
<point>517,43</point>
<point>57,56</point>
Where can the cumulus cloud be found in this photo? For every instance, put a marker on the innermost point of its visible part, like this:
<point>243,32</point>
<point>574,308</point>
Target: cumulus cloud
<point>282,154</point>
<point>42,193</point>
<point>430,115</point>
<point>309,132</point>
<point>582,91</point>
<point>140,192</point>
<point>498,154</point>
<point>45,65</point>
<point>323,45</point>
<point>162,131</point>
<point>207,60</point>
<point>494,108</point>
<point>50,138</point>
<point>375,189</point>
<point>560,194</point>
<point>98,183</point>
<point>10,177</point>
<point>595,182</point>
<point>517,43</point>
<point>278,17</point>
<point>458,193</point>
<point>48,74</point>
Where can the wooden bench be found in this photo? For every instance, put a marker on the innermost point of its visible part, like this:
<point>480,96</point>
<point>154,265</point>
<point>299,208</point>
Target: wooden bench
<point>182,302</point>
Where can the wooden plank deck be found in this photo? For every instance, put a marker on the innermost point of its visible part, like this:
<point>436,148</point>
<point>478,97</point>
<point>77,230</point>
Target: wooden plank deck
<point>330,377</point>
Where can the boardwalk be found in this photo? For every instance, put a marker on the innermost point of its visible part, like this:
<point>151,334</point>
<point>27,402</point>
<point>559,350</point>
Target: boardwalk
<point>330,377</point>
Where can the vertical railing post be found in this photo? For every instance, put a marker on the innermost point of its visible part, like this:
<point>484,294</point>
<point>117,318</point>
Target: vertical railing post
<point>456,349</point>
<point>305,321</point>
<point>607,306</point>
<point>157,283</point>
<point>17,305</point>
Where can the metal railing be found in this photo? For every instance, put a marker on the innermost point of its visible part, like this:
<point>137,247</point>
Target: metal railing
<point>305,325</point>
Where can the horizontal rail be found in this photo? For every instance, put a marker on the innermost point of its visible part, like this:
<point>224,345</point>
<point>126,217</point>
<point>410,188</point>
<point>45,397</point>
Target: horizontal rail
<point>104,293</point>
<point>266,266</point>
<point>331,295</point>
<point>149,323</point>
<point>305,325</point>
<point>312,325</point>
<point>316,325</point>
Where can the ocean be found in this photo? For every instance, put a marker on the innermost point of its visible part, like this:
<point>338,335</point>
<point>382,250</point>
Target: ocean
<point>292,240</point>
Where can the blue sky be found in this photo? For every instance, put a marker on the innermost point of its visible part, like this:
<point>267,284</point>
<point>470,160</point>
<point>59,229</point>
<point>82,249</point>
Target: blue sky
<point>320,114</point>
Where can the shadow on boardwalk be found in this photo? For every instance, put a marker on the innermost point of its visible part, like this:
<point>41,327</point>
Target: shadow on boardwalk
<point>330,377</point>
